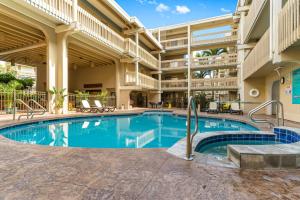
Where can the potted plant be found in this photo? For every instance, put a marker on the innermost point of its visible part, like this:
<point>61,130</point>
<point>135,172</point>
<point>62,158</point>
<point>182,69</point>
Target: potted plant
<point>60,96</point>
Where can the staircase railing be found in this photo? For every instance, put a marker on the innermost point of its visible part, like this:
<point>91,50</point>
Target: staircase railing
<point>264,105</point>
<point>42,110</point>
<point>29,110</point>
<point>190,137</point>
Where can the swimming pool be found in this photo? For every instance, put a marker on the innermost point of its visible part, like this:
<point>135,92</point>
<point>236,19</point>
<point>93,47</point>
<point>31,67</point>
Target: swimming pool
<point>147,130</point>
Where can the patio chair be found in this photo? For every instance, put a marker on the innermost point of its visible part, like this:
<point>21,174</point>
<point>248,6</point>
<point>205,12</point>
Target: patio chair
<point>213,107</point>
<point>87,108</point>
<point>105,108</point>
<point>235,108</point>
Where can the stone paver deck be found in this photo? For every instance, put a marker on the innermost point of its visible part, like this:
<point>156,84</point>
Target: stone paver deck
<point>38,172</point>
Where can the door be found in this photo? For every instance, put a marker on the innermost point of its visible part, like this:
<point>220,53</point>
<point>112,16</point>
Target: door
<point>296,87</point>
<point>275,95</point>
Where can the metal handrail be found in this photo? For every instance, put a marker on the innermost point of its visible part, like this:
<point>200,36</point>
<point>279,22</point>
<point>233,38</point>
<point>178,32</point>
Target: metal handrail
<point>44,110</point>
<point>263,105</point>
<point>29,109</point>
<point>190,137</point>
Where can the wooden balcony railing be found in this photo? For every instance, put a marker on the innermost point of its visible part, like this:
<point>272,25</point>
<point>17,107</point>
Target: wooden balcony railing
<point>96,29</point>
<point>175,43</point>
<point>253,14</point>
<point>258,57</point>
<point>215,61</point>
<point>148,59</point>
<point>289,24</point>
<point>144,81</point>
<point>173,85</point>
<point>174,64</point>
<point>60,9</point>
<point>229,83</point>
<point>214,38</point>
<point>130,47</point>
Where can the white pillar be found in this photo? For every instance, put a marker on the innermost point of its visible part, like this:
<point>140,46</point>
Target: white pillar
<point>62,66</point>
<point>189,61</point>
<point>51,68</point>
<point>159,77</point>
<point>117,64</point>
<point>138,56</point>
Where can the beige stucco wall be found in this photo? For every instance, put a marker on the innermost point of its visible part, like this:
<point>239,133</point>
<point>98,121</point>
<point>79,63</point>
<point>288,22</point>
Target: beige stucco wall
<point>41,78</point>
<point>264,85</point>
<point>87,75</point>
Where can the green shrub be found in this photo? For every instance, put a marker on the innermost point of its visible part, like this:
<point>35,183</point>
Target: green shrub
<point>7,77</point>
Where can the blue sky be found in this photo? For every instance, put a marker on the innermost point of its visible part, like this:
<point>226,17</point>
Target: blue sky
<point>155,13</point>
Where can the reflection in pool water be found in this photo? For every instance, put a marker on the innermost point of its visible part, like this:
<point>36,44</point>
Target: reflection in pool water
<point>148,130</point>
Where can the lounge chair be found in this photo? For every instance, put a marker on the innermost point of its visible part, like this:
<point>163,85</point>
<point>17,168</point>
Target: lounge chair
<point>235,108</point>
<point>87,108</point>
<point>105,108</point>
<point>213,107</point>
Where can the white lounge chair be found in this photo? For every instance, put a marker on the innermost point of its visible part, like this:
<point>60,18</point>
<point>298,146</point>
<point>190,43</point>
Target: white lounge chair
<point>105,108</point>
<point>213,107</point>
<point>87,108</point>
<point>235,108</point>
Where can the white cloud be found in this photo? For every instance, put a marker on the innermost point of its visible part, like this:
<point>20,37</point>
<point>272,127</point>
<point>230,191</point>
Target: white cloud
<point>162,8</point>
<point>153,2</point>
<point>225,10</point>
<point>182,9</point>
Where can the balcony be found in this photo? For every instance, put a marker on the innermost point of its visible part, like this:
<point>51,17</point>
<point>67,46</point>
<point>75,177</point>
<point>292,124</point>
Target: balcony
<point>177,43</point>
<point>148,59</point>
<point>252,17</point>
<point>174,65</point>
<point>130,47</point>
<point>174,85</point>
<point>229,83</point>
<point>259,57</point>
<point>145,82</point>
<point>215,38</point>
<point>209,62</point>
<point>289,25</point>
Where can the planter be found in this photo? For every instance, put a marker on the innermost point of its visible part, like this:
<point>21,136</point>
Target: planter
<point>58,111</point>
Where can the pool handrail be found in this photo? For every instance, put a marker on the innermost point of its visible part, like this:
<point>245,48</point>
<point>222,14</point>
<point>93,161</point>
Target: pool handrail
<point>263,105</point>
<point>189,136</point>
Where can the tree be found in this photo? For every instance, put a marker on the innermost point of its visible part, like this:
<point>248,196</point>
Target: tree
<point>213,52</point>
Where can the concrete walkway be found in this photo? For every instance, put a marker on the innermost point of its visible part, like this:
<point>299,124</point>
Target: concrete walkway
<point>38,172</point>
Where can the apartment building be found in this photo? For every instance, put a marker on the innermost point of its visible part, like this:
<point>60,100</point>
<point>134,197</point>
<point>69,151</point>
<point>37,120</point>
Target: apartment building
<point>268,50</point>
<point>82,45</point>
<point>200,57</point>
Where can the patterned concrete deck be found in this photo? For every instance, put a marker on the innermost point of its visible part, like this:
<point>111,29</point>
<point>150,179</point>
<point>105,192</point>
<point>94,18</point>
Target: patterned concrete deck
<point>37,172</point>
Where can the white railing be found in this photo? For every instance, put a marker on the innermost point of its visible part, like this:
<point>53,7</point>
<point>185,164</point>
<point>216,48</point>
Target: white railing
<point>144,81</point>
<point>130,47</point>
<point>173,85</point>
<point>147,58</point>
<point>175,43</point>
<point>229,83</point>
<point>60,9</point>
<point>215,61</point>
<point>258,57</point>
<point>215,84</point>
<point>174,64</point>
<point>289,24</point>
<point>215,38</point>
<point>253,14</point>
<point>96,29</point>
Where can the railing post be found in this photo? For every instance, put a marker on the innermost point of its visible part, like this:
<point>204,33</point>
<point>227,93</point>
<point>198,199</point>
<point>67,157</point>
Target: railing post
<point>74,10</point>
<point>14,105</point>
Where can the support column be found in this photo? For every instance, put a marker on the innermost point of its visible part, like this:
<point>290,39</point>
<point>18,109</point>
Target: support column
<point>159,77</point>
<point>137,61</point>
<point>189,61</point>
<point>62,67</point>
<point>117,64</point>
<point>51,69</point>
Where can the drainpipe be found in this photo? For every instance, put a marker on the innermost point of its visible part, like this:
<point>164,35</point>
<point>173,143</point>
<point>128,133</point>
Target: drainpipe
<point>137,56</point>
<point>189,61</point>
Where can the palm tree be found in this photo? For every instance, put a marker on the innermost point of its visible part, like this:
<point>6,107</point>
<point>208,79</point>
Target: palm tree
<point>213,52</point>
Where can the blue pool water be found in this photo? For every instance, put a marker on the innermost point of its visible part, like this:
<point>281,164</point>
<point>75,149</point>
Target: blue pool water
<point>147,130</point>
